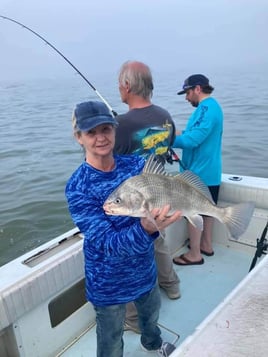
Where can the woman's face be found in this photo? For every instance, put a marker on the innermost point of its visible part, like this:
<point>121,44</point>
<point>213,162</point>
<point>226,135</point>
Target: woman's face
<point>99,140</point>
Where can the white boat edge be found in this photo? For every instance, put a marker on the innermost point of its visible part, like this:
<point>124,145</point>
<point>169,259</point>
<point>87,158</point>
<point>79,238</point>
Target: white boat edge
<point>231,326</point>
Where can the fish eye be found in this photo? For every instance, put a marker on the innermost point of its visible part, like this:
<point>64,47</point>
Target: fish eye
<point>118,200</point>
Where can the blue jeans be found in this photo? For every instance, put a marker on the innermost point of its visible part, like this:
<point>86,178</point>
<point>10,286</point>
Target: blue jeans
<point>110,324</point>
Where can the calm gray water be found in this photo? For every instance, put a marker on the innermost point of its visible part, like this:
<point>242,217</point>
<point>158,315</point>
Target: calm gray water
<point>38,152</point>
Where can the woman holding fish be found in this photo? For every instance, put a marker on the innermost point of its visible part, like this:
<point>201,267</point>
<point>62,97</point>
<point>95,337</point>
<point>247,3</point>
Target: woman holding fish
<point>118,250</point>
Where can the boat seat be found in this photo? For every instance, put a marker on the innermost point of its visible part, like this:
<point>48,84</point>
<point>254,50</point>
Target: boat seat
<point>237,189</point>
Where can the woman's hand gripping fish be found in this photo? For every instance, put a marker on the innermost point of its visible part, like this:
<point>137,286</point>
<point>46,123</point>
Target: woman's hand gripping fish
<point>185,192</point>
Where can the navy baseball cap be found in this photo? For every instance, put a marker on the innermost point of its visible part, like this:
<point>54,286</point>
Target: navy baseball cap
<point>91,114</point>
<point>194,80</point>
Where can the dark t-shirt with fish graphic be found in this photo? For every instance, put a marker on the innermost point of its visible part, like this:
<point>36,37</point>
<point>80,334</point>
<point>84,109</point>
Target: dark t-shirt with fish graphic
<point>144,131</point>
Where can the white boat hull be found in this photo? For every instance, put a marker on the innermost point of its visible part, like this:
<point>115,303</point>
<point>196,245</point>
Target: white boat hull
<point>43,311</point>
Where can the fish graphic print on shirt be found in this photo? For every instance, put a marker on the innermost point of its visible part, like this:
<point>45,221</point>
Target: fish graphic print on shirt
<point>144,131</point>
<point>153,140</point>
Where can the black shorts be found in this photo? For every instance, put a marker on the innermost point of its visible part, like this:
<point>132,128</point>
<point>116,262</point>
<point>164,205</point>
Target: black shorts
<point>214,190</point>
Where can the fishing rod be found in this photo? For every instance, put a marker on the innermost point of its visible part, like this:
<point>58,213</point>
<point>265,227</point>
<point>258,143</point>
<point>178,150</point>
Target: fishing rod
<point>262,246</point>
<point>175,157</point>
<point>64,57</point>
<point>171,155</point>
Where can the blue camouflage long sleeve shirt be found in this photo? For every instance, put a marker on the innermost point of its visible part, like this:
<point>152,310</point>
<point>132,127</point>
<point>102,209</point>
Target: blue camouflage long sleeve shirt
<point>119,254</point>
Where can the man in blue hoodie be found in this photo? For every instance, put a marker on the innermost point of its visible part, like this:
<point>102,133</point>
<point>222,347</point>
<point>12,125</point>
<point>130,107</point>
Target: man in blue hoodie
<point>201,153</point>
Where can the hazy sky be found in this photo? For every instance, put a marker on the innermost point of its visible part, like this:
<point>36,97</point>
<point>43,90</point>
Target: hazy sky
<point>98,36</point>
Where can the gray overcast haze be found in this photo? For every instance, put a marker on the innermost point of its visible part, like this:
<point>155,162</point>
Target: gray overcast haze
<point>97,36</point>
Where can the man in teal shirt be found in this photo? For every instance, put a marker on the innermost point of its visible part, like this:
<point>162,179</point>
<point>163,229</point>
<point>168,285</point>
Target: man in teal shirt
<point>201,153</point>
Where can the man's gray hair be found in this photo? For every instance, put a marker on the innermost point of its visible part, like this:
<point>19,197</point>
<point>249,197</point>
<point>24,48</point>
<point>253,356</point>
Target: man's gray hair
<point>139,78</point>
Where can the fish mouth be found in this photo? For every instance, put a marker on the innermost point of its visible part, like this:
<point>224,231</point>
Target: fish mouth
<point>111,211</point>
<point>107,209</point>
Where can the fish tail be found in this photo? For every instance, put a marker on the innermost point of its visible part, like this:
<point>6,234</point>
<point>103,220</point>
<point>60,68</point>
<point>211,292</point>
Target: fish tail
<point>237,218</point>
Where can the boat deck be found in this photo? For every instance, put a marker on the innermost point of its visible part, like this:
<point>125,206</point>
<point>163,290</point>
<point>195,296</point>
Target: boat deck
<point>221,309</point>
<point>219,275</point>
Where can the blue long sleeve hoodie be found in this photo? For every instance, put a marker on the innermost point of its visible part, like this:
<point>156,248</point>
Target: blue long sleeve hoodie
<point>201,142</point>
<point>119,254</point>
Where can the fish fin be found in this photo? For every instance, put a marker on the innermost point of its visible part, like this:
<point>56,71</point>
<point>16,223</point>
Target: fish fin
<point>237,218</point>
<point>192,179</point>
<point>146,212</point>
<point>162,234</point>
<point>196,221</point>
<point>154,166</point>
<point>151,218</point>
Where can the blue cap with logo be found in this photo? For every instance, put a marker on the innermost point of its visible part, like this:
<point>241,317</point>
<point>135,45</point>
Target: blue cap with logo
<point>91,114</point>
<point>194,80</point>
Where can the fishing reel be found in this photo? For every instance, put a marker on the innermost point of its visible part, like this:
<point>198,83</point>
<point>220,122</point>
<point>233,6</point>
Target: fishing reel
<point>163,158</point>
<point>170,156</point>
